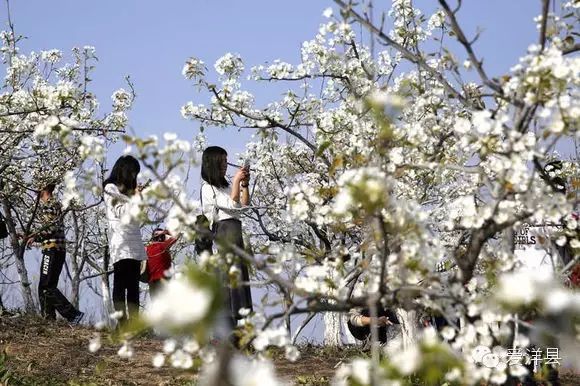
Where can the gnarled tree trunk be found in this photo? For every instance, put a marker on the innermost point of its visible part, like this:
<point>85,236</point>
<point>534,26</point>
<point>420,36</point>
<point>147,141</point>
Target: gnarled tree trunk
<point>18,250</point>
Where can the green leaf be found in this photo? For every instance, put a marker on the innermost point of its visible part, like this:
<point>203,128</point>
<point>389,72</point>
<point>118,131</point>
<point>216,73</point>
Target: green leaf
<point>325,145</point>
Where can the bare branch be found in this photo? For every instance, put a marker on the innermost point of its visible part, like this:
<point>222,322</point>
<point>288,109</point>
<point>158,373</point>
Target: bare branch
<point>272,122</point>
<point>468,47</point>
<point>543,28</point>
<point>302,326</point>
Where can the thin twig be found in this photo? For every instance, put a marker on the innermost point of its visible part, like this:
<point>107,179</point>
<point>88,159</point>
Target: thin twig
<point>408,55</point>
<point>468,47</point>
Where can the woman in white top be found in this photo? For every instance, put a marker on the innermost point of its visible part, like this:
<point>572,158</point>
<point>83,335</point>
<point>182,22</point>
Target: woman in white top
<point>126,246</point>
<point>223,203</point>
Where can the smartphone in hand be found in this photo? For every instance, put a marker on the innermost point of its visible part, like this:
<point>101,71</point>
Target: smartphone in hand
<point>140,188</point>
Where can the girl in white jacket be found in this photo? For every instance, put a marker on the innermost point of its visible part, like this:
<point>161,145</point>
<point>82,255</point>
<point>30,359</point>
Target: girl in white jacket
<point>125,243</point>
<point>223,202</point>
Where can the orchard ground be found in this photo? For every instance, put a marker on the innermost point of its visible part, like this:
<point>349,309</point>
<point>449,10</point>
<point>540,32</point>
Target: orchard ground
<point>41,353</point>
<point>34,352</point>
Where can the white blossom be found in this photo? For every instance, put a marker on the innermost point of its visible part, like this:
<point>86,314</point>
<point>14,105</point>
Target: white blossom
<point>126,350</point>
<point>51,56</point>
<point>181,359</point>
<point>122,100</point>
<point>243,372</point>
<point>158,360</point>
<point>292,353</point>
<point>193,68</point>
<point>270,337</point>
<point>327,12</point>
<point>229,64</point>
<point>168,311</point>
<point>95,344</point>
<point>169,346</point>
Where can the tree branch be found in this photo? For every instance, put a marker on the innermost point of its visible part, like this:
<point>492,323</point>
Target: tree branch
<point>543,28</point>
<point>408,54</point>
<point>468,47</point>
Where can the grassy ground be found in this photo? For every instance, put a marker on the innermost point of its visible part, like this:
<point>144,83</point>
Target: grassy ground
<point>40,353</point>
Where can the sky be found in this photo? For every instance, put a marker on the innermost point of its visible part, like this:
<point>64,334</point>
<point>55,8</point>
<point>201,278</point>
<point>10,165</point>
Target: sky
<point>151,40</point>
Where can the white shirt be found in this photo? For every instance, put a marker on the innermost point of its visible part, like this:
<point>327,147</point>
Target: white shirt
<point>125,240</point>
<point>217,203</point>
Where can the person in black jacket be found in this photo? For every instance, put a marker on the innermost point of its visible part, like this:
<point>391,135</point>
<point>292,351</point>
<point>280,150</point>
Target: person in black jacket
<point>359,323</point>
<point>50,233</point>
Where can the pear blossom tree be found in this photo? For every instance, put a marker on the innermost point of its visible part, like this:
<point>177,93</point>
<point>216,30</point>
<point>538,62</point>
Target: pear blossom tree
<point>88,252</point>
<point>374,166</point>
<point>49,125</point>
<point>369,170</point>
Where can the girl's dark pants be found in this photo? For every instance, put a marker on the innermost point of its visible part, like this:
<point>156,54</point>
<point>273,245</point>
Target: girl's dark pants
<point>126,287</point>
<point>229,232</point>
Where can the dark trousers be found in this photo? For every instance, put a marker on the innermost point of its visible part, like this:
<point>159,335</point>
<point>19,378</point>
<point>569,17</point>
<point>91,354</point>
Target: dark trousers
<point>229,232</point>
<point>51,299</point>
<point>154,288</point>
<point>126,287</point>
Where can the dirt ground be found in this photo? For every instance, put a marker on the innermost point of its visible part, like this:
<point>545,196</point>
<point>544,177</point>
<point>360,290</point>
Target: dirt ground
<point>40,353</point>
<point>56,353</point>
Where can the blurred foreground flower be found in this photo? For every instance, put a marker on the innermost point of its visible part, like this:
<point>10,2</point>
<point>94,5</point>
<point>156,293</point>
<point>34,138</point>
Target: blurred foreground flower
<point>180,303</point>
<point>243,372</point>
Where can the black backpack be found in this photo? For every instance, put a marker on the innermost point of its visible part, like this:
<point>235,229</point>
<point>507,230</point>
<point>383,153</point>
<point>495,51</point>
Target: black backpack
<point>3,229</point>
<point>204,237</point>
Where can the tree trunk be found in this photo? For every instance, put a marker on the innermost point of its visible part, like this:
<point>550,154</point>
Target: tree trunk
<point>349,338</point>
<point>25,284</point>
<point>18,250</point>
<point>287,320</point>
<point>106,298</point>
<point>332,323</point>
<point>75,284</point>
<point>508,240</point>
<point>332,336</point>
<point>74,260</point>
<point>105,289</point>
<point>409,323</point>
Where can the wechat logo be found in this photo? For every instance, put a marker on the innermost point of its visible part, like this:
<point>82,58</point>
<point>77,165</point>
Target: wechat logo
<point>484,356</point>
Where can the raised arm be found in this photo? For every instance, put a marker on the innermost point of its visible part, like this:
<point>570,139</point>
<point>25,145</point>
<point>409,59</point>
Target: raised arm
<point>116,200</point>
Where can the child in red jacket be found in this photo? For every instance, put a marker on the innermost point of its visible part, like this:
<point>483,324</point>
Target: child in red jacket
<point>158,259</point>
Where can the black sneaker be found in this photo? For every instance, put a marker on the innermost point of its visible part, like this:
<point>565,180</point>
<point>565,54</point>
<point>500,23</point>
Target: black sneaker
<point>77,319</point>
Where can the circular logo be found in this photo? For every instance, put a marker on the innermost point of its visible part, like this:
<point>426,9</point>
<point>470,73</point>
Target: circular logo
<point>479,352</point>
<point>490,360</point>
